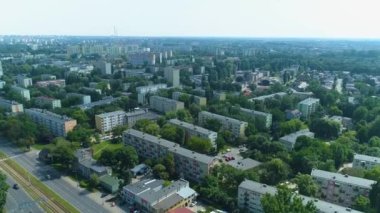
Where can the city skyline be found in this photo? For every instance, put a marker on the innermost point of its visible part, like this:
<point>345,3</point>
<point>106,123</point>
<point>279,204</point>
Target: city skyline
<point>168,18</point>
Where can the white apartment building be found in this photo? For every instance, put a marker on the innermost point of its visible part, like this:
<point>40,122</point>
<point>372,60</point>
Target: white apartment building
<point>1,69</point>
<point>189,165</point>
<point>164,105</point>
<point>105,122</point>
<point>24,81</point>
<point>143,90</point>
<point>193,130</point>
<point>365,161</point>
<point>59,125</point>
<point>236,127</point>
<point>11,106</point>
<point>172,76</point>
<point>339,188</point>
<point>290,140</point>
<point>22,91</point>
<point>263,116</point>
<point>143,58</point>
<point>251,192</point>
<point>308,106</point>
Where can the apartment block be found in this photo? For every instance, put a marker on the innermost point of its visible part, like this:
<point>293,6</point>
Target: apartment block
<point>23,92</point>
<point>47,102</point>
<point>271,96</point>
<point>193,130</point>
<point>251,192</point>
<point>57,83</point>
<point>2,84</point>
<point>11,106</point>
<point>143,58</point>
<point>151,195</point>
<point>164,105</point>
<point>172,76</point>
<point>308,106</point>
<point>85,99</point>
<point>143,90</point>
<point>138,114</point>
<point>201,101</point>
<point>339,188</point>
<point>105,122</point>
<point>105,67</point>
<point>24,81</point>
<point>1,69</point>
<point>266,118</point>
<point>59,125</point>
<point>365,161</point>
<point>236,127</point>
<point>290,140</point>
<point>189,165</point>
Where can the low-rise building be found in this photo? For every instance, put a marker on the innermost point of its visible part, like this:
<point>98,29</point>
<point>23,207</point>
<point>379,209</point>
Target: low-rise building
<point>47,102</point>
<point>251,192</point>
<point>345,122</point>
<point>24,81</point>
<point>266,118</point>
<point>105,122</point>
<point>308,106</point>
<point>85,165</point>
<point>339,188</point>
<point>85,99</point>
<point>365,161</point>
<point>109,183</point>
<point>290,140</point>
<point>164,105</point>
<point>59,125</point>
<point>193,130</point>
<point>11,106</point>
<point>154,196</point>
<point>23,92</point>
<point>201,101</point>
<point>190,165</point>
<point>57,83</point>
<point>236,127</point>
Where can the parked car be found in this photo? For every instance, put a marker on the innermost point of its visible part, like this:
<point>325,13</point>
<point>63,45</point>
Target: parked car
<point>15,186</point>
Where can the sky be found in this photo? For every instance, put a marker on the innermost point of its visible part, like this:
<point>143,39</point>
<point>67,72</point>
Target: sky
<point>211,18</point>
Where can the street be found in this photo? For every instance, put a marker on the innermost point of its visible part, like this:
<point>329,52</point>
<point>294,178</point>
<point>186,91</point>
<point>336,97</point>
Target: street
<point>74,195</point>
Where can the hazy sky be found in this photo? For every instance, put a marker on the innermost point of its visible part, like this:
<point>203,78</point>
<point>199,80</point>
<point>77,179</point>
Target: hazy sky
<point>237,18</point>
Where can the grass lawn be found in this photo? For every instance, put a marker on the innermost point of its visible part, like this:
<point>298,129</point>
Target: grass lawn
<point>98,148</point>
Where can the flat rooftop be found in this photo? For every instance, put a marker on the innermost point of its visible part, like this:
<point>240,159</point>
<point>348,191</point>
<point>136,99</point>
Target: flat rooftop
<point>360,182</point>
<point>191,126</point>
<point>367,158</point>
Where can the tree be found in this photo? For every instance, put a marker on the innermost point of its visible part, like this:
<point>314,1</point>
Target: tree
<point>291,126</point>
<point>212,124</point>
<point>306,185</point>
<point>93,181</point>
<point>360,113</point>
<point>373,174</point>
<point>341,153</point>
<point>63,153</point>
<point>274,171</point>
<point>169,164</point>
<point>159,171</point>
<point>117,133</point>
<point>374,197</point>
<point>284,201</point>
<point>325,128</point>
<point>199,144</point>
<point>3,190</point>
<point>362,203</point>
<point>172,133</point>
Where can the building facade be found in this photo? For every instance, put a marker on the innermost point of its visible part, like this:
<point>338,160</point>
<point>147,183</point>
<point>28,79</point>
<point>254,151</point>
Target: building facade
<point>59,125</point>
<point>22,91</point>
<point>308,106</point>
<point>11,106</point>
<point>143,58</point>
<point>236,127</point>
<point>266,118</point>
<point>290,140</point>
<point>57,83</point>
<point>151,195</point>
<point>188,164</point>
<point>105,122</point>
<point>143,90</point>
<point>193,130</point>
<point>164,105</point>
<point>46,102</point>
<point>339,188</point>
<point>24,81</point>
<point>85,99</point>
<point>365,161</point>
<point>172,76</point>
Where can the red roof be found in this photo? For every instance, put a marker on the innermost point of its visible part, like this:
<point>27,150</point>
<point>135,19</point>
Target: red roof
<point>181,210</point>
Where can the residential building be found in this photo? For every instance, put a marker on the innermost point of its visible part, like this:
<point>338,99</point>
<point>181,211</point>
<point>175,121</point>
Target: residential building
<point>22,91</point>
<point>236,127</point>
<point>11,106</point>
<point>105,67</point>
<point>263,117</point>
<point>59,125</point>
<point>105,122</point>
<point>1,70</point>
<point>109,183</point>
<point>151,89</point>
<point>365,161</point>
<point>172,76</point>
<point>153,196</point>
<point>251,192</point>
<point>164,105</point>
<point>193,130</point>
<point>85,165</point>
<point>57,83</point>
<point>24,81</point>
<point>190,165</point>
<point>138,114</point>
<point>265,97</point>
<point>220,96</point>
<point>244,164</point>
<point>2,84</point>
<point>91,90</point>
<point>292,114</point>
<point>143,58</point>
<point>290,140</point>
<point>308,106</point>
<point>345,122</point>
<point>140,169</point>
<point>201,101</point>
<point>85,99</point>
<point>47,102</point>
<point>339,188</point>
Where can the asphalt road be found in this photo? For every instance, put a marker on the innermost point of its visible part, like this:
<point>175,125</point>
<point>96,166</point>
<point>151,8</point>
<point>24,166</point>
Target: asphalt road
<point>19,201</point>
<point>70,193</point>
